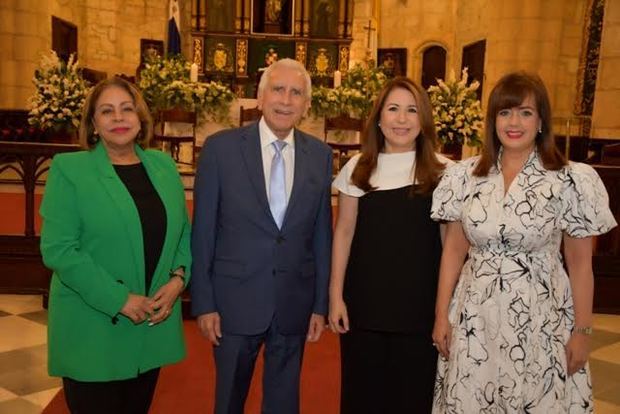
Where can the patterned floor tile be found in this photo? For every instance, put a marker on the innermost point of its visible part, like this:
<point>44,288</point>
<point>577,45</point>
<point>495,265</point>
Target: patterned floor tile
<point>609,353</point>
<point>28,380</point>
<point>601,338</point>
<point>19,359</point>
<point>42,398</point>
<point>605,380</point>
<point>609,323</point>
<point>40,317</point>
<point>17,304</point>
<point>19,406</point>
<point>6,395</point>
<point>21,333</point>
<point>602,407</point>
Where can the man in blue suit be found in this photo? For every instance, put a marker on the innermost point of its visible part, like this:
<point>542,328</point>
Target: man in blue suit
<point>261,244</point>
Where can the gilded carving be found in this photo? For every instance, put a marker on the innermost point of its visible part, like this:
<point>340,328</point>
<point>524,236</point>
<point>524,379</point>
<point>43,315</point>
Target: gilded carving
<point>197,58</point>
<point>242,57</point>
<point>300,53</point>
<point>343,59</point>
<point>321,62</point>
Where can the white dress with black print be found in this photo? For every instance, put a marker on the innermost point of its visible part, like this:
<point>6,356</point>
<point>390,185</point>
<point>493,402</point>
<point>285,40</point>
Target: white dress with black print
<point>512,309</point>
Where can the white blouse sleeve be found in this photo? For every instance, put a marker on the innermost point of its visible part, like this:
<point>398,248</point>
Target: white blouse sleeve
<point>342,182</point>
<point>585,203</point>
<point>449,194</point>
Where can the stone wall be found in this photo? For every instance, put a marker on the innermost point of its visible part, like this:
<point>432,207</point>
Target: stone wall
<point>109,33</point>
<point>540,36</point>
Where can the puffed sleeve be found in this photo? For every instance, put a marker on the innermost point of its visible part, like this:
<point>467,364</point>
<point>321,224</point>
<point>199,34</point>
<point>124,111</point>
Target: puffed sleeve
<point>585,203</point>
<point>449,194</point>
<point>342,182</point>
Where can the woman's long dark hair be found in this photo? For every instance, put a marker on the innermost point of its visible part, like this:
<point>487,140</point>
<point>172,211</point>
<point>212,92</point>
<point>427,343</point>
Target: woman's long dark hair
<point>511,91</point>
<point>428,168</point>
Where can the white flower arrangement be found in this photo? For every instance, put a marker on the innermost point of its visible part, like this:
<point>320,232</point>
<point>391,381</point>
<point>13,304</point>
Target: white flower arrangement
<point>355,97</point>
<point>457,111</point>
<point>60,92</point>
<point>165,84</point>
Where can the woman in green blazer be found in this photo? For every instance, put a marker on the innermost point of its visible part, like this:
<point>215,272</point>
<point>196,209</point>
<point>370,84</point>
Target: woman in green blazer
<point>116,235</point>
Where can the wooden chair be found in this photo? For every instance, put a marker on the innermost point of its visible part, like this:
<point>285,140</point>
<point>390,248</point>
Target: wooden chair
<point>249,115</point>
<point>178,116</point>
<point>610,154</point>
<point>342,149</point>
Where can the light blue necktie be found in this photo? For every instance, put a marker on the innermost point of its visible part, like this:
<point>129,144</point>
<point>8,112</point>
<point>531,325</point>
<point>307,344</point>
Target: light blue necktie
<point>277,184</point>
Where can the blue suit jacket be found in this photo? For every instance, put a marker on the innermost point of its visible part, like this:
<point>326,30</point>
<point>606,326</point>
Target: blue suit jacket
<point>244,267</point>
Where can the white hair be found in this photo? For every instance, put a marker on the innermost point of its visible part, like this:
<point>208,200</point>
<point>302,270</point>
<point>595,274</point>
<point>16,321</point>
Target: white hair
<point>288,64</point>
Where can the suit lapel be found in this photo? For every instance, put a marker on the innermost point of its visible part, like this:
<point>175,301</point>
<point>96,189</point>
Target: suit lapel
<point>253,158</point>
<point>300,176</point>
<point>126,208</point>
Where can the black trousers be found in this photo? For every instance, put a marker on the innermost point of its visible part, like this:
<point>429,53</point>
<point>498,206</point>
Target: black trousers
<point>130,396</point>
<point>386,372</point>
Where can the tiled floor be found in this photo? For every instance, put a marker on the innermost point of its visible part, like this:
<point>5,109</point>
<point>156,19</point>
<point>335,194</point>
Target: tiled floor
<point>25,387</point>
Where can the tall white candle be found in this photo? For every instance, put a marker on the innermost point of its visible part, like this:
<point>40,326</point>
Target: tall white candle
<point>193,72</point>
<point>337,78</point>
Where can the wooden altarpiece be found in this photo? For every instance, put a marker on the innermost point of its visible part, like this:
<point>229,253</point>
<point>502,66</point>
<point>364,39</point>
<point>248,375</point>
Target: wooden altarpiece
<point>233,41</point>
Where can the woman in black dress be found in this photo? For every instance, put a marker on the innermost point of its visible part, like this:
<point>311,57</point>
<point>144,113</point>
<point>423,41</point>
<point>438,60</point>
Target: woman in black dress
<point>385,258</point>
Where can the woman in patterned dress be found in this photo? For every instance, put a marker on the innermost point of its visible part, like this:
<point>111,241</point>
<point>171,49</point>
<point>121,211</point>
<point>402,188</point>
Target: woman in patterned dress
<point>511,327</point>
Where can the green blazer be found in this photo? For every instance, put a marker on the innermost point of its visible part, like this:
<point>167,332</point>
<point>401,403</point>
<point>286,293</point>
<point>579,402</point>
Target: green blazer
<point>92,240</point>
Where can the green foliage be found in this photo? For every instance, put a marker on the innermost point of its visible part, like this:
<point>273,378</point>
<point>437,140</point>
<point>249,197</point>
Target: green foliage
<point>355,96</point>
<point>165,84</point>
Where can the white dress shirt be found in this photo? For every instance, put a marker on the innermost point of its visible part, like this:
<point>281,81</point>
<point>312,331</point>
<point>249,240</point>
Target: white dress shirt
<point>267,137</point>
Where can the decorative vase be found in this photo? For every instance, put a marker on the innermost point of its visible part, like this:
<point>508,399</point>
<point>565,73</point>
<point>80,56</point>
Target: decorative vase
<point>61,135</point>
<point>452,150</point>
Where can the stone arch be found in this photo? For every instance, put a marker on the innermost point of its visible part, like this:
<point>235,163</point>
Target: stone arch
<point>418,57</point>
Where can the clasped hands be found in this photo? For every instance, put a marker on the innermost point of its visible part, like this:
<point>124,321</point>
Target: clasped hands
<point>155,309</point>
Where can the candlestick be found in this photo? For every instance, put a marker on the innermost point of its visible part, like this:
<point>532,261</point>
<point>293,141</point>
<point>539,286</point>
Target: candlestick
<point>337,78</point>
<point>193,72</point>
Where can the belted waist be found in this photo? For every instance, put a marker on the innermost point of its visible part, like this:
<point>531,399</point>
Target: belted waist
<point>508,253</point>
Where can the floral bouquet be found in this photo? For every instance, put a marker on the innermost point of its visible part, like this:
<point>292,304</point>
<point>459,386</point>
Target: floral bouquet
<point>59,96</point>
<point>165,84</point>
<point>457,111</point>
<point>355,97</point>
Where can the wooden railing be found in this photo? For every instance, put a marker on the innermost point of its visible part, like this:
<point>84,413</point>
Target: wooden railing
<point>21,266</point>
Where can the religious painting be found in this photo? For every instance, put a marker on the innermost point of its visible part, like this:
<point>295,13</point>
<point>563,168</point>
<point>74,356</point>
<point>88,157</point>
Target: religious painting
<point>220,15</point>
<point>220,54</point>
<point>324,18</point>
<point>394,61</point>
<point>150,48</point>
<point>263,52</point>
<point>322,62</point>
<point>273,16</point>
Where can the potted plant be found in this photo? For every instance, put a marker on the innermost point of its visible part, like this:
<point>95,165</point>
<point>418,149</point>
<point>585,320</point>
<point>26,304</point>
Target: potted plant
<point>56,106</point>
<point>457,113</point>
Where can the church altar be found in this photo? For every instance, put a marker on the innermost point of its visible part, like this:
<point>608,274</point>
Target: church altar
<point>309,124</point>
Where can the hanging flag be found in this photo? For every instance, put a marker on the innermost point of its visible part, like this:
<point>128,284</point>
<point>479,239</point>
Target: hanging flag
<point>174,29</point>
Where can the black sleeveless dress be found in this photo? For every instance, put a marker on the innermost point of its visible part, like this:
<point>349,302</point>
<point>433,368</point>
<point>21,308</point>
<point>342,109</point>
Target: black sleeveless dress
<point>387,358</point>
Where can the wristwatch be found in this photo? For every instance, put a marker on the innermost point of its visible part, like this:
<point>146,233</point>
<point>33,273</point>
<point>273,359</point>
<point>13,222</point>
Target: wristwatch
<point>584,330</point>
